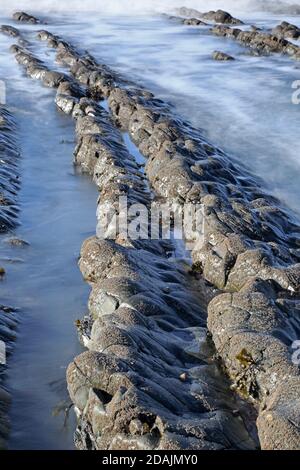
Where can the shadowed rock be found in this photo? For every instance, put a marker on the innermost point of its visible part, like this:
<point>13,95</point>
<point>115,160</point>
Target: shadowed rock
<point>155,301</point>
<point>189,12</point>
<point>9,185</point>
<point>222,56</point>
<point>218,16</point>
<point>287,30</point>
<point>250,252</point>
<point>9,30</point>
<point>264,43</point>
<point>9,175</point>
<point>194,22</point>
<point>221,16</point>
<point>25,17</point>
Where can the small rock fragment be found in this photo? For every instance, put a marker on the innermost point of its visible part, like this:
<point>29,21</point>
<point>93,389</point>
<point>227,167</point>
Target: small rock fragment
<point>222,56</point>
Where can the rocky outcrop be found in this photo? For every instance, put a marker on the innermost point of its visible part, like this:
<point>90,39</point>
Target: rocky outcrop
<point>222,56</point>
<point>189,12</point>
<point>25,17</point>
<point>9,177</point>
<point>286,30</point>
<point>250,249</point>
<point>9,173</point>
<point>193,22</point>
<point>253,331</point>
<point>264,43</point>
<point>150,366</point>
<point>9,30</point>
<point>8,325</point>
<point>247,274</point>
<point>218,16</point>
<point>221,16</point>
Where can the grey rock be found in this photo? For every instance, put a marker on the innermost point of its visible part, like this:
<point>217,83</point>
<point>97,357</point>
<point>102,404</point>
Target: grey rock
<point>222,56</point>
<point>287,30</point>
<point>194,22</point>
<point>221,16</point>
<point>10,31</point>
<point>25,17</point>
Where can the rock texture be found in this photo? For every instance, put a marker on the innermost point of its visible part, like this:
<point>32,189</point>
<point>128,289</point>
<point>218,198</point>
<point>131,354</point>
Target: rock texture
<point>222,56</point>
<point>250,251</point>
<point>8,325</point>
<point>221,16</point>
<point>9,179</point>
<point>137,386</point>
<point>145,332</point>
<point>9,30</point>
<point>9,173</point>
<point>218,16</point>
<point>264,43</point>
<point>25,17</point>
<point>189,12</point>
<point>193,22</point>
<point>287,30</point>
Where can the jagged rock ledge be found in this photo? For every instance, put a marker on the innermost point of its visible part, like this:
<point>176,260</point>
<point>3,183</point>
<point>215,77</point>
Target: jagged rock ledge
<point>9,179</point>
<point>23,17</point>
<point>9,30</point>
<point>222,56</point>
<point>218,16</point>
<point>9,173</point>
<point>287,30</point>
<point>149,371</point>
<point>251,249</point>
<point>264,43</point>
<point>251,253</point>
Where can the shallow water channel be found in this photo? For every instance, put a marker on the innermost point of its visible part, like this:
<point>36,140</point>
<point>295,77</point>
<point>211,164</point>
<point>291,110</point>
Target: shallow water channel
<point>58,211</point>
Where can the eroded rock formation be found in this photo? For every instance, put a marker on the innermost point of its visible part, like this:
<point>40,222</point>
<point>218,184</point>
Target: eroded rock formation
<point>9,179</point>
<point>150,376</point>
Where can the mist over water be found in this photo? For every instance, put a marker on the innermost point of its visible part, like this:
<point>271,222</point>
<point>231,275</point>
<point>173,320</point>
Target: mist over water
<point>148,6</point>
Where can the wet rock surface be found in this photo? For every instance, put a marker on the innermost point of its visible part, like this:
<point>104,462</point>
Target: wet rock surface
<point>260,42</point>
<point>9,173</point>
<point>221,16</point>
<point>189,12</point>
<point>9,185</point>
<point>222,56</point>
<point>9,211</point>
<point>9,30</point>
<point>287,30</point>
<point>264,43</point>
<point>25,17</point>
<point>143,282</point>
<point>193,22</point>
<point>217,16</point>
<point>250,239</point>
<point>138,381</point>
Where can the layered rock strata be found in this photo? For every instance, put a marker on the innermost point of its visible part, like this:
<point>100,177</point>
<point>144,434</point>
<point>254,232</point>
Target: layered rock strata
<point>287,30</point>
<point>149,379</point>
<point>250,253</point>
<point>23,17</point>
<point>262,42</point>
<point>251,247</point>
<point>216,16</point>
<point>9,185</point>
